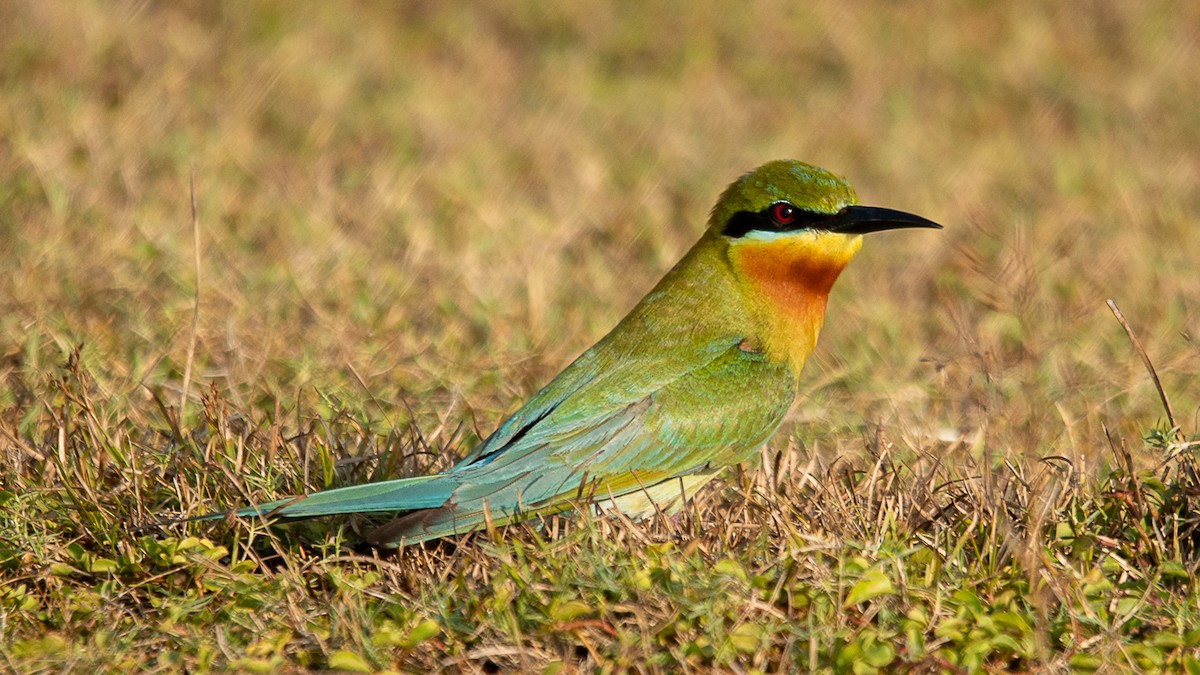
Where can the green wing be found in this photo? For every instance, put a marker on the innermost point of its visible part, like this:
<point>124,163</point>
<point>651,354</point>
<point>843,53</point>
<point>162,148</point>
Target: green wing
<point>623,431</point>
<point>611,440</point>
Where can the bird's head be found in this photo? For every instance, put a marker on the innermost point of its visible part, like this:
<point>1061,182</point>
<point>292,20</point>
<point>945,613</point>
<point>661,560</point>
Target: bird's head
<point>794,205</point>
<point>790,228</point>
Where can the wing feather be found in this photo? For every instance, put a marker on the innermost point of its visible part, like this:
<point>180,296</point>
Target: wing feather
<point>702,419</point>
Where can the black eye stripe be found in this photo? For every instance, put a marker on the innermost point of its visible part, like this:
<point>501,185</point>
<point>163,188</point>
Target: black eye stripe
<point>745,222</point>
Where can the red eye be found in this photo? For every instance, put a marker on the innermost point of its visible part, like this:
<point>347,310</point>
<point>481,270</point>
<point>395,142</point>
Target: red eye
<point>783,213</point>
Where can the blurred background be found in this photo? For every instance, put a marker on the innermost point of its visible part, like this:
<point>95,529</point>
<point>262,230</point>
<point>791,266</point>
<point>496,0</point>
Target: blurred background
<point>431,207</point>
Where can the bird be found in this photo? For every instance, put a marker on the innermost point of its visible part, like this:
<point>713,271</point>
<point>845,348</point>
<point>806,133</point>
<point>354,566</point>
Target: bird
<point>695,379</point>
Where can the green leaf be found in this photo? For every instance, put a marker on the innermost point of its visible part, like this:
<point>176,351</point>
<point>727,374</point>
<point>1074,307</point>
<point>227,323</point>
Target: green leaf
<point>1146,655</point>
<point>76,552</point>
<point>879,654</point>
<point>61,569</point>
<point>746,638</point>
<point>730,567</point>
<point>349,662</point>
<point>423,631</point>
<point>1167,640</point>
<point>1126,605</point>
<point>1173,570</point>
<point>874,583</point>
<point>570,610</point>
<point>103,565</point>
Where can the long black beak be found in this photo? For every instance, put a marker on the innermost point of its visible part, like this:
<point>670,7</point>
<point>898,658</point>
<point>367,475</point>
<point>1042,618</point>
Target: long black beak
<point>864,219</point>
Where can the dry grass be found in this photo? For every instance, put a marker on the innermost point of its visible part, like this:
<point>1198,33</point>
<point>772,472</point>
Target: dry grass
<point>411,216</point>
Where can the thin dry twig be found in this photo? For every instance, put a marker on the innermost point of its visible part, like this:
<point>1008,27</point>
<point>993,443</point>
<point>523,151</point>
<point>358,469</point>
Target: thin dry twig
<point>1141,351</point>
<point>191,352</point>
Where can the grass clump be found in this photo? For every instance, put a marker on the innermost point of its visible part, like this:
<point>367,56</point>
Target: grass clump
<point>918,558</point>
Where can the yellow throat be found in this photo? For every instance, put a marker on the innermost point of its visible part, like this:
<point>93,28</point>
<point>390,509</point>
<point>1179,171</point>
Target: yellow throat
<point>786,280</point>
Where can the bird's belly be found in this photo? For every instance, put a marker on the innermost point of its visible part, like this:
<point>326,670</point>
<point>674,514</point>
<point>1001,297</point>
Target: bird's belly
<point>668,497</point>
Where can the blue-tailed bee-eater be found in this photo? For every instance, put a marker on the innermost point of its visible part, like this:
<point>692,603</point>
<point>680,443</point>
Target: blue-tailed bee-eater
<point>694,379</point>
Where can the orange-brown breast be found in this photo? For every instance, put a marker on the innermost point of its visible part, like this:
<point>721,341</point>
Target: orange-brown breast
<point>788,282</point>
